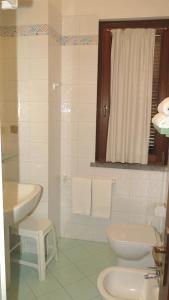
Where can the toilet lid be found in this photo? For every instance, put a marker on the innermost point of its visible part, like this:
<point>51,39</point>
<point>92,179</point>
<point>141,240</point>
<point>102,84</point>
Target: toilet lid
<point>136,233</point>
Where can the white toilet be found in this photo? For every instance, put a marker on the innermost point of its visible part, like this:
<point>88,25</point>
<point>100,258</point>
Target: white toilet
<point>133,243</point>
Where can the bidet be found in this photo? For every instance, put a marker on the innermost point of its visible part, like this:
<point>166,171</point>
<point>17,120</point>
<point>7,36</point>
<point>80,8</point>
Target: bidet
<point>127,284</point>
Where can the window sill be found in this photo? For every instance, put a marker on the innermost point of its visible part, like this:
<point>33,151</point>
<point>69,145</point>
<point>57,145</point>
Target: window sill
<point>128,166</point>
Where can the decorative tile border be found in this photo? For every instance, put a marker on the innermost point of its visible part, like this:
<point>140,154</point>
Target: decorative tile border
<point>24,30</point>
<point>45,29</point>
<point>79,40</point>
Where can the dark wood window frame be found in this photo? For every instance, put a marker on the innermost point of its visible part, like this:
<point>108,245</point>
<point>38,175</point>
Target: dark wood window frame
<point>160,154</point>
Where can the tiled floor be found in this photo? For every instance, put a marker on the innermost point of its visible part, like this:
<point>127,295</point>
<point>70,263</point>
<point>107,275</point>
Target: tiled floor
<point>72,277</point>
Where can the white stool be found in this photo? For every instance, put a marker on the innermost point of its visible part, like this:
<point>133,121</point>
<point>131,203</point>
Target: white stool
<point>38,230</point>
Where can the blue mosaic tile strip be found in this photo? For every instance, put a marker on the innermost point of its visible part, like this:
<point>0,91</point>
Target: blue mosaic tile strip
<point>24,30</point>
<point>79,40</point>
<point>45,29</point>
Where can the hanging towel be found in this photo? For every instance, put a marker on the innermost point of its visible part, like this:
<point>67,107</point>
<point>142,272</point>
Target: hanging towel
<point>164,107</point>
<point>161,120</point>
<point>101,198</point>
<point>81,196</point>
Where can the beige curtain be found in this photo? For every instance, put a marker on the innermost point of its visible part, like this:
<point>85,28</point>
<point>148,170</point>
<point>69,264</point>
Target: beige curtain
<point>131,95</point>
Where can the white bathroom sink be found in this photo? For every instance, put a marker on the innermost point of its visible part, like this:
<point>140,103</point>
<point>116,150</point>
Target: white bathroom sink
<point>117,283</point>
<point>19,200</point>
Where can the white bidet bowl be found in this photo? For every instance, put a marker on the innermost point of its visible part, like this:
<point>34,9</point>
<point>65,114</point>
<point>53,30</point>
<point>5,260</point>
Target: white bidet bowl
<point>117,283</point>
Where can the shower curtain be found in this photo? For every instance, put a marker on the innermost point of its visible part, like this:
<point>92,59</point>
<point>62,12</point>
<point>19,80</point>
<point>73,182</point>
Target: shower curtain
<point>132,60</point>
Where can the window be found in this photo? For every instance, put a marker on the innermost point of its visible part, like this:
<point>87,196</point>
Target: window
<point>158,144</point>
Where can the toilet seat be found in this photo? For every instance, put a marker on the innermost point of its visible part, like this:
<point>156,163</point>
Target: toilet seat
<point>135,233</point>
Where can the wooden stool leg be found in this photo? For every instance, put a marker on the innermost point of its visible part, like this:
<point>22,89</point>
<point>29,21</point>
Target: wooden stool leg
<point>41,257</point>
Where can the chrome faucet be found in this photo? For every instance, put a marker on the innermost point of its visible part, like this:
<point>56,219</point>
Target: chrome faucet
<point>152,275</point>
<point>157,275</point>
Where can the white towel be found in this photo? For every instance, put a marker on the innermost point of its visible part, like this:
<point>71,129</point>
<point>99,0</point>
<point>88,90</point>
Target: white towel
<point>164,107</point>
<point>161,120</point>
<point>81,196</point>
<point>101,198</point>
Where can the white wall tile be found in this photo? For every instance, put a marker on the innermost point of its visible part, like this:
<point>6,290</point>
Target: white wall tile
<point>86,149</point>
<point>38,69</point>
<point>41,210</point>
<point>22,47</point>
<point>88,25</point>
<point>38,152</point>
<point>39,171</point>
<point>38,46</point>
<point>38,90</point>
<point>23,112</point>
<point>87,112</point>
<point>87,93</point>
<point>24,171</point>
<point>23,69</point>
<point>88,74</point>
<point>70,55</point>
<point>38,132</point>
<point>32,13</point>
<point>139,187</point>
<point>70,74</point>
<point>38,112</point>
<point>24,151</point>
<point>22,90</point>
<point>69,93</point>
<point>23,132</point>
<point>88,54</point>
<point>70,25</point>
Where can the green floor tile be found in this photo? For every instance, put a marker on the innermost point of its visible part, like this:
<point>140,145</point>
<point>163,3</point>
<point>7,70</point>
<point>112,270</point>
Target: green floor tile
<point>20,296</point>
<point>58,294</point>
<point>40,287</point>
<point>72,277</point>
<point>93,279</point>
<point>68,275</point>
<point>19,272</point>
<point>104,261</point>
<point>83,290</point>
<point>97,247</point>
<point>90,267</point>
<point>65,243</point>
<point>62,262</point>
<point>77,253</point>
<point>19,292</point>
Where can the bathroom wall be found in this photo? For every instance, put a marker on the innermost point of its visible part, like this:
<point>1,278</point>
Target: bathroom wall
<point>57,138</point>
<point>25,44</point>
<point>32,58</point>
<point>135,193</point>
